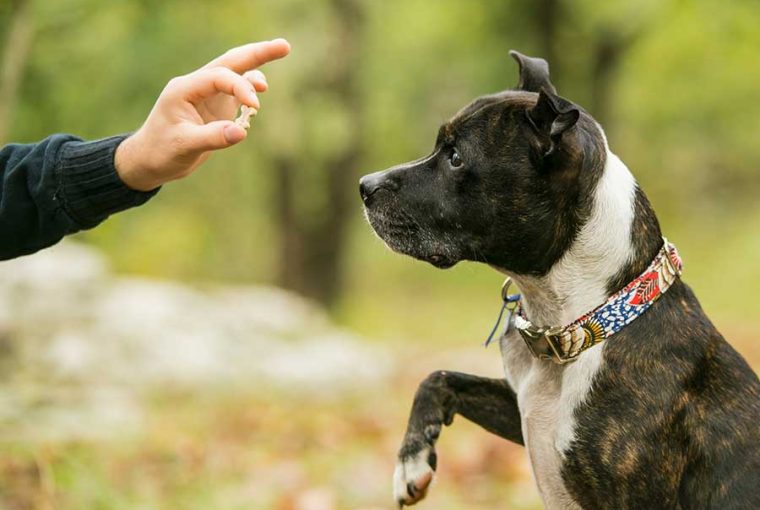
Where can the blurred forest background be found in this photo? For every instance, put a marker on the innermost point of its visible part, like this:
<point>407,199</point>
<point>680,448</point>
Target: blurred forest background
<point>674,82</point>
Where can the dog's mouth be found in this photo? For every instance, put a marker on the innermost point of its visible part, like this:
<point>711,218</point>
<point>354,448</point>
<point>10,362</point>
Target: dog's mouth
<point>405,238</point>
<point>405,234</point>
<point>440,261</point>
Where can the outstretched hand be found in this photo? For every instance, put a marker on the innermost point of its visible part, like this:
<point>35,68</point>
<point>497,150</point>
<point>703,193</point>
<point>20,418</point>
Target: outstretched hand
<point>193,116</point>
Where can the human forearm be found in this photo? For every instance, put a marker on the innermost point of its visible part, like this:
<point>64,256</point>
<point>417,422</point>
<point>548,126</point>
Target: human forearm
<point>57,187</point>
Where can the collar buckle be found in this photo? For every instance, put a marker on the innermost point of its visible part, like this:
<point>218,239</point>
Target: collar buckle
<point>544,343</point>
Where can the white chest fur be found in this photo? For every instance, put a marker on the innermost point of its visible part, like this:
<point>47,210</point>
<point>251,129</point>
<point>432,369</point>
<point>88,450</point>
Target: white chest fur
<point>548,394</point>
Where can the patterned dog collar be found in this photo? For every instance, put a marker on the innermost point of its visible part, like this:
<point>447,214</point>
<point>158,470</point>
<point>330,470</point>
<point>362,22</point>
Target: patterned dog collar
<point>562,344</point>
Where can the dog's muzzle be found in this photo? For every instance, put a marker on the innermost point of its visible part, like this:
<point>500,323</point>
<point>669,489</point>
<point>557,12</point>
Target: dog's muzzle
<point>372,183</point>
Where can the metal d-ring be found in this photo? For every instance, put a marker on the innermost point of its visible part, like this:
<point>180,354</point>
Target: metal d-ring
<point>505,288</point>
<point>509,304</point>
<point>505,295</point>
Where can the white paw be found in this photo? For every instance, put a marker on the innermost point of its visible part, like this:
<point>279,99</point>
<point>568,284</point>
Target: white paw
<point>412,477</point>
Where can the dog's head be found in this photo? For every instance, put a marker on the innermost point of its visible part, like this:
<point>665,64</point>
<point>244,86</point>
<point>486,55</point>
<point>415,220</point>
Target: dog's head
<point>508,183</point>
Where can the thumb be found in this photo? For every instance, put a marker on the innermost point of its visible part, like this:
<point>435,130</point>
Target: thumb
<point>215,135</point>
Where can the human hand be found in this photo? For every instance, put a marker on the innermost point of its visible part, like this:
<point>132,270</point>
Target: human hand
<point>192,116</point>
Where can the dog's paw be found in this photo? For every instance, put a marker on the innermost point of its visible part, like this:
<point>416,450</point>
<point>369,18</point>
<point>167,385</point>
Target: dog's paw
<point>413,476</point>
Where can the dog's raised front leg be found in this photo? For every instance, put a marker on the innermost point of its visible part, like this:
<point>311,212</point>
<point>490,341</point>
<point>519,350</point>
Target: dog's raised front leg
<point>490,403</point>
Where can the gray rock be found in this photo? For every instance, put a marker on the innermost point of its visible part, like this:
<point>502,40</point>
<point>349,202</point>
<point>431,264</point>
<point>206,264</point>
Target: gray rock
<point>84,346</point>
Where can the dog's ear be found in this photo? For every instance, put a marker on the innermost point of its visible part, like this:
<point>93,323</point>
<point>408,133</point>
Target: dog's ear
<point>551,117</point>
<point>534,73</point>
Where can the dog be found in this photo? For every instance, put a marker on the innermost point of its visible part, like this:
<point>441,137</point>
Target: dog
<point>620,388</point>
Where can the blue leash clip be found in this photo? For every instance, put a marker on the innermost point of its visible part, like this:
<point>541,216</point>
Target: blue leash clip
<point>509,303</point>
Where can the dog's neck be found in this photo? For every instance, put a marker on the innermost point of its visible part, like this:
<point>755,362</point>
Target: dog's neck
<point>603,257</point>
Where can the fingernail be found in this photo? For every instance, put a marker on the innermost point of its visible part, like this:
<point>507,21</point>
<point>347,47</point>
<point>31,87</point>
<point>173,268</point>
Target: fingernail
<point>233,134</point>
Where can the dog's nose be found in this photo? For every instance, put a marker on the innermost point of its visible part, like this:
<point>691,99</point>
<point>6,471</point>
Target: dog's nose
<point>366,188</point>
<point>368,185</point>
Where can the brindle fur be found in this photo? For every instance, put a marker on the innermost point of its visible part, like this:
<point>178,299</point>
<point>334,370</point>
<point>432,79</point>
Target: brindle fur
<point>673,417</point>
<point>672,421</point>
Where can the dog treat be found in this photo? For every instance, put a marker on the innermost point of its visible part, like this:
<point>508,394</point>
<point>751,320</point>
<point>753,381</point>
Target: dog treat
<point>244,119</point>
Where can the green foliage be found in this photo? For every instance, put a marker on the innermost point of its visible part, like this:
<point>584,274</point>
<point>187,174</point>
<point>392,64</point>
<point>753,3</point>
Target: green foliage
<point>682,115</point>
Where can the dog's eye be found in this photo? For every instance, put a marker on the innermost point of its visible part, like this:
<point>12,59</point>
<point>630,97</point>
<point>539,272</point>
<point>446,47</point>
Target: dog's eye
<point>455,159</point>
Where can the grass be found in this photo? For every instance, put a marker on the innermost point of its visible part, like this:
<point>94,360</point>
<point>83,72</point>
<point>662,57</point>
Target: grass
<point>262,451</point>
<point>274,450</point>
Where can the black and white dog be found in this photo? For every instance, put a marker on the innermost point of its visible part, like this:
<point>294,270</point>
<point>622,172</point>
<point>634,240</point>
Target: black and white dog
<point>655,410</point>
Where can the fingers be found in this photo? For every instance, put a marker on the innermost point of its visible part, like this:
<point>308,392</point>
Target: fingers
<point>250,56</point>
<point>207,82</point>
<point>257,79</point>
<point>213,136</point>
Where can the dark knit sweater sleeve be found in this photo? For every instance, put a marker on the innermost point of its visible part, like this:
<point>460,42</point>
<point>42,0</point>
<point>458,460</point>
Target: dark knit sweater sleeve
<point>56,187</point>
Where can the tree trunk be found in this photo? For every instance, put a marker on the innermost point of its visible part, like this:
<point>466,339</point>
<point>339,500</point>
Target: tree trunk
<point>547,15</point>
<point>291,269</point>
<point>311,249</point>
<point>609,49</point>
<point>16,46</point>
